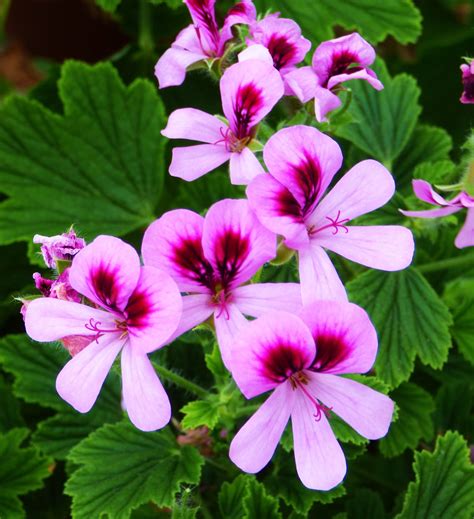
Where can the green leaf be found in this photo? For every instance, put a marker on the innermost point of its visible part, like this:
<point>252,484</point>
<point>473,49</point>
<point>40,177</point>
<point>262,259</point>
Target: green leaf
<point>374,19</point>
<point>414,420</point>
<point>410,318</point>
<point>383,120</point>
<point>365,504</point>
<point>231,497</point>
<point>444,484</point>
<point>459,296</point>
<point>108,5</point>
<point>21,470</point>
<point>427,144</point>
<point>122,468</point>
<point>100,166</point>
<point>257,504</point>
<point>201,412</point>
<point>10,416</point>
<point>454,411</point>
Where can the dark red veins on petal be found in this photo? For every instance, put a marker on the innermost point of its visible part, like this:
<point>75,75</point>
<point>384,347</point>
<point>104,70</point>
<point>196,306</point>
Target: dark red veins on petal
<point>231,250</point>
<point>281,50</point>
<point>287,205</point>
<point>138,310</point>
<point>342,63</point>
<point>104,284</point>
<point>248,101</point>
<point>281,361</point>
<point>239,8</point>
<point>330,351</point>
<point>308,176</point>
<point>189,256</point>
<point>203,11</point>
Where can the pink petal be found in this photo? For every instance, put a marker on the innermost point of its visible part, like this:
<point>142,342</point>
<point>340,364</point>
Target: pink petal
<point>203,15</point>
<point>346,340</point>
<point>49,319</point>
<point>277,209</point>
<point>256,51</point>
<point>320,462</point>
<point>235,243</point>
<point>153,311</point>
<point>304,160</point>
<point>197,308</point>
<point>192,162</point>
<point>106,272</point>
<point>243,12</point>
<point>228,322</point>
<point>465,238</point>
<point>259,298</point>
<point>365,74</point>
<point>79,382</point>
<point>188,39</point>
<point>364,188</point>
<point>269,350</point>
<point>384,247</point>
<point>249,91</point>
<point>173,244</point>
<point>425,192</point>
<point>145,399</point>
<point>431,213</point>
<point>365,410</point>
<point>244,166</point>
<point>303,82</point>
<point>324,102</point>
<point>255,443</point>
<point>318,277</point>
<point>195,125</point>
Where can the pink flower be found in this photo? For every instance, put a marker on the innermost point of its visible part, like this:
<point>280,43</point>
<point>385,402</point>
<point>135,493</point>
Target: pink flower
<point>334,62</point>
<point>282,37</point>
<point>302,162</point>
<point>201,41</point>
<point>61,247</point>
<point>468,83</point>
<point>300,358</point>
<point>132,310</point>
<point>425,192</point>
<point>210,259</point>
<point>249,90</point>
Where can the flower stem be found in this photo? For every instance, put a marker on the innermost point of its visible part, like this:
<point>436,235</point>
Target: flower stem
<point>145,34</point>
<point>461,261</point>
<point>180,381</point>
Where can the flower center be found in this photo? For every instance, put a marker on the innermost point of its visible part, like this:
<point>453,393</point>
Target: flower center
<point>335,223</point>
<point>96,326</point>
<point>300,381</point>
<point>220,298</point>
<point>232,142</point>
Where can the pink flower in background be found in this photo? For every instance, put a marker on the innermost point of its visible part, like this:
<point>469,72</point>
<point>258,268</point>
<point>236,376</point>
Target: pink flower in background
<point>463,200</point>
<point>334,62</point>
<point>135,310</point>
<point>302,162</point>
<point>249,90</point>
<point>61,247</point>
<point>202,40</point>
<point>468,83</point>
<point>299,359</point>
<point>211,259</point>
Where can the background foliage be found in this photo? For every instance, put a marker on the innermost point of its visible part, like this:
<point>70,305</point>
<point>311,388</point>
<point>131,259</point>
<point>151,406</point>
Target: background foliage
<point>80,143</point>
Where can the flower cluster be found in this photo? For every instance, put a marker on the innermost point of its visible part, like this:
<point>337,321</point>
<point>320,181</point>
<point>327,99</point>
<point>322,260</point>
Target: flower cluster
<point>298,340</point>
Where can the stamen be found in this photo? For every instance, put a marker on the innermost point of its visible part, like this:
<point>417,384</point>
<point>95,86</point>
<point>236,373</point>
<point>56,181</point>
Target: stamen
<point>232,143</point>
<point>220,299</point>
<point>300,380</point>
<point>335,223</point>
<point>93,326</point>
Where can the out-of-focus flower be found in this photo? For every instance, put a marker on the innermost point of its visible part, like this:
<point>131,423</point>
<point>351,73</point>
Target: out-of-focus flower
<point>467,70</point>
<point>61,247</point>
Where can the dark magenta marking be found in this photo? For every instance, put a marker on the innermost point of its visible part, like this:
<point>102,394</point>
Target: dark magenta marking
<point>308,176</point>
<point>281,361</point>
<point>248,101</point>
<point>330,351</point>
<point>189,256</point>
<point>468,83</point>
<point>282,50</point>
<point>138,309</point>
<point>342,63</point>
<point>203,10</point>
<point>231,250</point>
<point>105,286</point>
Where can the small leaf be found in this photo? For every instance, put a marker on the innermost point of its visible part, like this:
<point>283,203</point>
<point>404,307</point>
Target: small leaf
<point>100,166</point>
<point>21,470</point>
<point>258,504</point>
<point>201,412</point>
<point>414,420</point>
<point>383,120</point>
<point>410,318</point>
<point>122,468</point>
<point>108,5</point>
<point>444,484</point>
<point>10,416</point>
<point>231,497</point>
<point>454,407</point>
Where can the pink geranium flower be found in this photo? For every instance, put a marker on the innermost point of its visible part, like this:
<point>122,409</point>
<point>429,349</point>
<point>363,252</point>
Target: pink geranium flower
<point>468,83</point>
<point>128,309</point>
<point>334,62</point>
<point>212,259</point>
<point>202,40</point>
<point>463,200</point>
<point>249,90</point>
<point>300,358</point>
<point>302,161</point>
<point>61,247</point>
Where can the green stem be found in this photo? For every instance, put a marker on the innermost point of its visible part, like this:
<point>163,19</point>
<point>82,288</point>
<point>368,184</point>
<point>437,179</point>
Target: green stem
<point>145,33</point>
<point>180,381</point>
<point>462,261</point>
<point>245,411</point>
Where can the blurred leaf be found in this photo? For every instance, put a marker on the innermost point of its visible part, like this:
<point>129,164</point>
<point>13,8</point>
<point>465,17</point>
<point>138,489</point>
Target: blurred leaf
<point>414,420</point>
<point>123,468</point>
<point>10,416</point>
<point>99,167</point>
<point>454,407</point>
<point>21,470</point>
<point>383,120</point>
<point>365,504</point>
<point>258,504</point>
<point>444,484</point>
<point>231,496</point>
<point>459,296</point>
<point>410,318</point>
<point>374,19</point>
<point>108,5</point>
